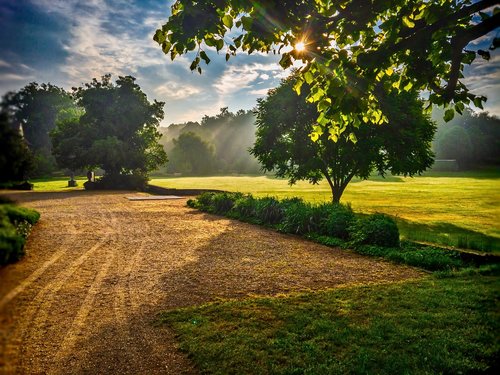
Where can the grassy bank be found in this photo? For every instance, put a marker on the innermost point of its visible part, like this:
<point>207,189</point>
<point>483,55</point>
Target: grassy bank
<point>436,325</point>
<point>450,209</point>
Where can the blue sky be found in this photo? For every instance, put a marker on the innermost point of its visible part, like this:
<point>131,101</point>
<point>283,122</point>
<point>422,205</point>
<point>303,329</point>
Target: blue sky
<point>69,42</point>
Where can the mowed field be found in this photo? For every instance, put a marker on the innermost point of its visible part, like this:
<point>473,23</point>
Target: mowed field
<point>457,209</point>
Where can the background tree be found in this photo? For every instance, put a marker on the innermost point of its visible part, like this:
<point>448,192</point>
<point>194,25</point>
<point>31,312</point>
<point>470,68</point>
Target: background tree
<point>348,47</point>
<point>35,107</point>
<point>472,139</point>
<point>192,155</point>
<point>231,134</point>
<point>16,160</point>
<point>117,130</point>
<point>283,144</point>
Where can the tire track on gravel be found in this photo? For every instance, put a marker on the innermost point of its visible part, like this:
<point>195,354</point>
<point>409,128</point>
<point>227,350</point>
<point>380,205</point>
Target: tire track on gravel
<point>31,329</point>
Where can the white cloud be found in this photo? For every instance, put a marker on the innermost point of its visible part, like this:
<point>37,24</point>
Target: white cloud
<point>237,78</point>
<point>14,77</point>
<point>176,91</point>
<point>260,92</point>
<point>264,76</point>
<point>4,64</point>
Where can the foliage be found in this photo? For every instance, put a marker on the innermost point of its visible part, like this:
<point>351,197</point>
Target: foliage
<point>471,139</point>
<point>376,229</point>
<point>230,134</point>
<point>283,145</point>
<point>35,108</point>
<point>351,48</point>
<point>192,155</point>
<point>451,209</point>
<point>338,219</point>
<point>15,225</point>
<point>429,326</point>
<point>117,131</point>
<point>16,160</point>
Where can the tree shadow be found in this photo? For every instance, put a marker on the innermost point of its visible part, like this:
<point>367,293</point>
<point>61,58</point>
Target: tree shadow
<point>449,235</point>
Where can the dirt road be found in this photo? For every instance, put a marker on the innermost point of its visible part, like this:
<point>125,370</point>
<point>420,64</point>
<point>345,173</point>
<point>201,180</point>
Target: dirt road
<point>100,267</point>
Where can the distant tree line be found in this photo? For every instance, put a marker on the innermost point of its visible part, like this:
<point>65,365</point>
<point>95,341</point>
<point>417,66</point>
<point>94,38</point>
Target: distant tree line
<point>217,145</point>
<point>473,140</point>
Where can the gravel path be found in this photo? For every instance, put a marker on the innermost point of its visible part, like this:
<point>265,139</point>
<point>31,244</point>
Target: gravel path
<point>99,268</point>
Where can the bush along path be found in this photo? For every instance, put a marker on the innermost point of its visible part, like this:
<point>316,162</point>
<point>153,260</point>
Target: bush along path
<point>15,226</point>
<point>333,225</point>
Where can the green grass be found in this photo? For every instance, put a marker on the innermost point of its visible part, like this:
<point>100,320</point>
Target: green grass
<point>455,209</point>
<point>56,184</point>
<point>435,325</point>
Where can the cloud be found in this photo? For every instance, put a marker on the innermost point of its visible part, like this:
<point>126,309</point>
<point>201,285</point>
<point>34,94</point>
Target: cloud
<point>176,91</point>
<point>4,64</point>
<point>237,78</point>
<point>260,92</point>
<point>14,77</point>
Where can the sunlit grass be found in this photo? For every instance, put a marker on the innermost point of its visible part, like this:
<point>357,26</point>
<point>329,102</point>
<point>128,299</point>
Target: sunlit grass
<point>464,207</point>
<point>56,184</point>
<point>432,326</point>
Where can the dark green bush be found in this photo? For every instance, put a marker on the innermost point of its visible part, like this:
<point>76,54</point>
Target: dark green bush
<point>336,219</point>
<point>268,210</point>
<point>17,214</point>
<point>427,257</point>
<point>134,181</point>
<point>223,202</point>
<point>375,229</point>
<point>244,208</point>
<point>300,218</point>
<point>204,201</point>
<point>15,224</point>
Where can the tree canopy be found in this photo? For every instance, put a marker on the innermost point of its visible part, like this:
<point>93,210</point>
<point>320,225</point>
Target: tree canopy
<point>116,130</point>
<point>192,155</point>
<point>35,107</point>
<point>284,123</point>
<point>348,48</point>
<point>16,160</point>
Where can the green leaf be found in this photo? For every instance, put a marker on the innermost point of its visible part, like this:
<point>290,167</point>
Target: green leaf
<point>408,86</point>
<point>297,86</point>
<point>285,61</point>
<point>227,20</point>
<point>352,138</point>
<point>246,22</point>
<point>478,102</point>
<point>195,63</point>
<point>314,136</point>
<point>204,56</point>
<point>219,43</point>
<point>448,115</point>
<point>408,23</point>
<point>308,77</point>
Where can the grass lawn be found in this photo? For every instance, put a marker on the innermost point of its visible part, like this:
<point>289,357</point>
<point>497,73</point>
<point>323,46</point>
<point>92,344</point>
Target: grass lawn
<point>432,326</point>
<point>450,209</point>
<point>56,184</point>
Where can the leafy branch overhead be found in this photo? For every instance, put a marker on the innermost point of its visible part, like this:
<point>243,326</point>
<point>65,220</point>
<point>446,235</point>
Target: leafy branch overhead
<point>349,49</point>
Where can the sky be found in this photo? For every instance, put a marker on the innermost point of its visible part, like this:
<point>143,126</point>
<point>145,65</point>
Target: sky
<point>69,42</point>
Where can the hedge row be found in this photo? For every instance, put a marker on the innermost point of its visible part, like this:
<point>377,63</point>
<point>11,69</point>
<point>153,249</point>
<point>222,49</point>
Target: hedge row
<point>15,225</point>
<point>298,217</point>
<point>330,224</point>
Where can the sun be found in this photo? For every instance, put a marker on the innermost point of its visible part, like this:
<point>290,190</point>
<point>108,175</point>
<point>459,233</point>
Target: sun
<point>300,47</point>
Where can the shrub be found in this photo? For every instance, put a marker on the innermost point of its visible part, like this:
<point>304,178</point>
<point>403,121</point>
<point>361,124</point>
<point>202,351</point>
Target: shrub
<point>223,202</point>
<point>15,225</point>
<point>244,208</point>
<point>376,229</point>
<point>268,210</point>
<point>134,181</point>
<point>204,201</point>
<point>336,220</point>
<point>17,214</point>
<point>300,218</point>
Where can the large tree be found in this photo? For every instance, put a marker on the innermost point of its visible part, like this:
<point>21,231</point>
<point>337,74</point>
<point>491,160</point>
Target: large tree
<point>16,160</point>
<point>116,130</point>
<point>348,47</point>
<point>35,107</point>
<point>283,145</point>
